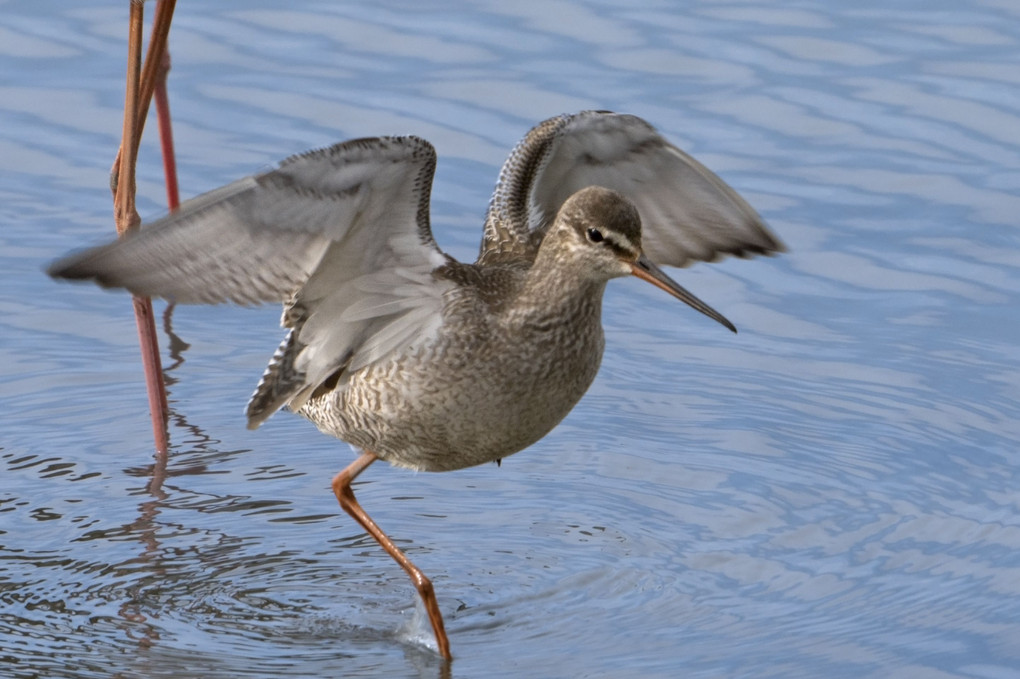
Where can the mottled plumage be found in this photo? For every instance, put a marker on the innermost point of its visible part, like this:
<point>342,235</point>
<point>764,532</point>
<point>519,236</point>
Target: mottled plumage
<point>395,347</point>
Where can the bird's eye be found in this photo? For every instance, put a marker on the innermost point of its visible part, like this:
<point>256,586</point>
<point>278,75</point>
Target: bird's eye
<point>595,236</point>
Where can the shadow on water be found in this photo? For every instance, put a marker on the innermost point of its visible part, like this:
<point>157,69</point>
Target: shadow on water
<point>175,346</point>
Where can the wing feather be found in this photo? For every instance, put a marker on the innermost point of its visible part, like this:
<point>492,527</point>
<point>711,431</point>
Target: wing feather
<point>341,236</point>
<point>687,212</point>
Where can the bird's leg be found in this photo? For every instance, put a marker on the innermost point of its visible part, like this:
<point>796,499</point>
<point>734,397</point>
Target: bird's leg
<point>345,496</point>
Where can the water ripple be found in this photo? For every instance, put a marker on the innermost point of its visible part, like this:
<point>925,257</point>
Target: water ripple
<point>832,492</point>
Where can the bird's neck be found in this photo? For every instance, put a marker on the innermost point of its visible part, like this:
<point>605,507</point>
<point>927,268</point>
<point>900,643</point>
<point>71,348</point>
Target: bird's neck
<point>551,296</point>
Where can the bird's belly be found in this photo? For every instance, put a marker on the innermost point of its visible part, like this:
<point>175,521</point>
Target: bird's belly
<point>477,410</point>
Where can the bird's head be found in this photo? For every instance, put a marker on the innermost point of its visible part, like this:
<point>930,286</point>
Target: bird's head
<point>597,234</point>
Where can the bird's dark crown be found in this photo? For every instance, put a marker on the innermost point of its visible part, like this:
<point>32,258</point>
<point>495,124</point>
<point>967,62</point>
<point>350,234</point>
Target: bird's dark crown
<point>605,217</point>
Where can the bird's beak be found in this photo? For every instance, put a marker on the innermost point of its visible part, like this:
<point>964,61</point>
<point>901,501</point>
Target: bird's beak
<point>647,271</point>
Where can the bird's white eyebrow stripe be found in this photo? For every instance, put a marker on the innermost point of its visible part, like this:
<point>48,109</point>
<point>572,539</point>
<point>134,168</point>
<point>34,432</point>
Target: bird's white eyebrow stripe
<point>622,241</point>
<point>618,243</point>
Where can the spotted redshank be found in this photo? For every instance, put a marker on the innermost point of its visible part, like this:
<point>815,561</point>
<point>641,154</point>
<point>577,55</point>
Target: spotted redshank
<point>404,352</point>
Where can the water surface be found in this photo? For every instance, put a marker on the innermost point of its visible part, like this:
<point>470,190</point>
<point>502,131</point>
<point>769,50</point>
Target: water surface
<point>832,492</point>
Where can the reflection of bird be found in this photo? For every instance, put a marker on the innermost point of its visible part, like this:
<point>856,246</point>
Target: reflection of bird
<point>401,350</point>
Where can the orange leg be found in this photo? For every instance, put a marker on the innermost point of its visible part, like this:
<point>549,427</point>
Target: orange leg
<point>344,495</point>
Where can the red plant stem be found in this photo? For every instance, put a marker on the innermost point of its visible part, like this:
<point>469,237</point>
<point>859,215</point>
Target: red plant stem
<point>127,218</point>
<point>164,14</point>
<point>153,69</point>
<point>166,135</point>
<point>159,410</point>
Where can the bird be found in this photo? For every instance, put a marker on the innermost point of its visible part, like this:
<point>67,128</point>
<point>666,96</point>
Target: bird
<point>399,349</point>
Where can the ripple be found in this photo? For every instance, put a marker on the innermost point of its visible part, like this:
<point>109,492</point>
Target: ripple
<point>832,492</point>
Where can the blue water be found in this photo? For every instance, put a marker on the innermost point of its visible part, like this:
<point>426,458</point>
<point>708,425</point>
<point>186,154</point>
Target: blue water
<point>833,492</point>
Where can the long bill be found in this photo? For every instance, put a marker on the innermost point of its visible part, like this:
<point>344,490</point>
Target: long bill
<point>647,271</point>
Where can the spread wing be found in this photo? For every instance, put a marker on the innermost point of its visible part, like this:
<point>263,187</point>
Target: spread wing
<point>340,235</point>
<point>688,213</point>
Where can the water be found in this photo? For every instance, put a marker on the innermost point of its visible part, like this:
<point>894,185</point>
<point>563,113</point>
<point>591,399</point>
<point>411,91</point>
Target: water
<point>832,492</point>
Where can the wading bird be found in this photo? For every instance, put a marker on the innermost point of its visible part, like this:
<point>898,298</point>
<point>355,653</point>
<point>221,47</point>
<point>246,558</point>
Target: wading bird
<point>397,348</point>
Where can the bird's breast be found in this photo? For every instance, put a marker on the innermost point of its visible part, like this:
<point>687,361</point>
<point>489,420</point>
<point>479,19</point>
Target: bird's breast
<point>480,392</point>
